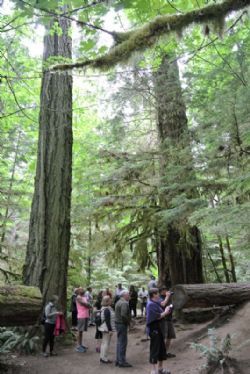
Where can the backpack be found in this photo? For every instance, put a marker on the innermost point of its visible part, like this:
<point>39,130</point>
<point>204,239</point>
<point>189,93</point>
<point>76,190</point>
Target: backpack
<point>43,318</point>
<point>98,319</point>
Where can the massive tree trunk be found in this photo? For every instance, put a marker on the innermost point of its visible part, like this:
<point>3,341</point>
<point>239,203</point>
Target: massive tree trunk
<point>208,295</point>
<point>179,252</point>
<point>49,233</point>
<point>19,305</point>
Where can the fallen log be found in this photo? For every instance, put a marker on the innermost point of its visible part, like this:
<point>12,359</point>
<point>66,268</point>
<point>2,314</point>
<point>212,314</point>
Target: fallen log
<point>209,295</point>
<point>200,315</point>
<point>19,305</point>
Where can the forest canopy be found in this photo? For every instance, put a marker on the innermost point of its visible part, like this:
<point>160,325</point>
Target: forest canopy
<point>159,157</point>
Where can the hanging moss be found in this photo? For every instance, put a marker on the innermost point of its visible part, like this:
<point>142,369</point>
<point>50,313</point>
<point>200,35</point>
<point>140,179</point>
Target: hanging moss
<point>146,36</point>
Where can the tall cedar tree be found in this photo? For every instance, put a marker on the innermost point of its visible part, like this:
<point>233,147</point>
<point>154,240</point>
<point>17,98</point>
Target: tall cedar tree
<point>179,254</point>
<point>49,232</point>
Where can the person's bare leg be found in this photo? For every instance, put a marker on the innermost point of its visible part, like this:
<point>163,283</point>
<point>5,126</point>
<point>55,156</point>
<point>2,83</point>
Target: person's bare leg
<point>160,368</point>
<point>79,338</point>
<point>154,369</point>
<point>168,342</point>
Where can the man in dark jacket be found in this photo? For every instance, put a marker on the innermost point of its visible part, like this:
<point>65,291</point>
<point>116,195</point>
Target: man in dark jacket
<point>122,321</point>
<point>155,327</point>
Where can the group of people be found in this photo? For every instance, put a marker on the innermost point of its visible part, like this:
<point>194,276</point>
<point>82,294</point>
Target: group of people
<point>109,315</point>
<point>113,315</point>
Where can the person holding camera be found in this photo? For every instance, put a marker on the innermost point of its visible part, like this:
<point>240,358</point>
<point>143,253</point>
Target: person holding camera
<point>169,331</point>
<point>155,329</point>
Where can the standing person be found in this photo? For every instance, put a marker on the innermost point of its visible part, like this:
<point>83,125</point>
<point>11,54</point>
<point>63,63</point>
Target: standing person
<point>73,309</point>
<point>152,283</point>
<point>118,291</point>
<point>97,313</point>
<point>143,297</point>
<point>82,318</point>
<point>51,312</point>
<point>122,321</point>
<point>89,296</point>
<point>107,327</point>
<point>108,292</point>
<point>169,331</point>
<point>155,327</point>
<point>133,298</point>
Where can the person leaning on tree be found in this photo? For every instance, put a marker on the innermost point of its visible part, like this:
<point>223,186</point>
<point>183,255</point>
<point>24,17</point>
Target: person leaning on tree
<point>51,312</point>
<point>155,329</point>
<point>169,331</point>
<point>122,321</point>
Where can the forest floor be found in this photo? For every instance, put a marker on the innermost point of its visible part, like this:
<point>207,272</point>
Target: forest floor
<point>187,360</point>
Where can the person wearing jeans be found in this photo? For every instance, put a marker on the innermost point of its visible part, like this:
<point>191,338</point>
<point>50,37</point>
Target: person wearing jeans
<point>122,321</point>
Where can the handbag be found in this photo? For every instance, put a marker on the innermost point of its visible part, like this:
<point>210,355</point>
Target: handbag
<point>103,327</point>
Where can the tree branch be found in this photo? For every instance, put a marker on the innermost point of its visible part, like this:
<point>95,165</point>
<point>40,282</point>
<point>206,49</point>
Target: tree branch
<point>146,36</point>
<point>57,15</point>
<point>93,4</point>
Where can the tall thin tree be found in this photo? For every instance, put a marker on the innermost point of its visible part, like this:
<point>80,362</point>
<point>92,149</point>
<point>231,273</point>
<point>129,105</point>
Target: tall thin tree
<point>49,232</point>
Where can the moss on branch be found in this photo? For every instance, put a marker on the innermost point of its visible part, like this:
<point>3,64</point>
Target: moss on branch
<point>146,36</point>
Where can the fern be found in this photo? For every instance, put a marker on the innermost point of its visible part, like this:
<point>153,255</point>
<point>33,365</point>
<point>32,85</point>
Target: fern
<point>215,356</point>
<point>18,340</point>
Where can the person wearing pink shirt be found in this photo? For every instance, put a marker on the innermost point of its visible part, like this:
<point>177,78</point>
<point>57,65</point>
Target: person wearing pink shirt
<point>83,307</point>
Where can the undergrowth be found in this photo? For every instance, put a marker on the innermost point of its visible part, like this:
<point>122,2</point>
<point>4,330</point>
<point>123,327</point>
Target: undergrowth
<point>18,339</point>
<point>216,353</point>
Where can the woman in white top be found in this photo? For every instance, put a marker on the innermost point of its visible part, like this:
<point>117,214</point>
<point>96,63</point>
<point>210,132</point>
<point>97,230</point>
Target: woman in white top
<point>107,327</point>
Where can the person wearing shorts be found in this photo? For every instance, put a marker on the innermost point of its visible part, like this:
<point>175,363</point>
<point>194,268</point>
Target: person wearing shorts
<point>169,331</point>
<point>82,318</point>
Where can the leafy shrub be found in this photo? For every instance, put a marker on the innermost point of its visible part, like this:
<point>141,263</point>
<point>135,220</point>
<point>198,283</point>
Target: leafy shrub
<point>216,355</point>
<point>18,339</point>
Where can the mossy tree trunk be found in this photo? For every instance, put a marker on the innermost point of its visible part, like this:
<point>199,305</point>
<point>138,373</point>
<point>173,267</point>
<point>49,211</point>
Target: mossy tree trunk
<point>49,232</point>
<point>179,252</point>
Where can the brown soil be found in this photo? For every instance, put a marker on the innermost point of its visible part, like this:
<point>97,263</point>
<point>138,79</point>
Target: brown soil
<point>187,360</point>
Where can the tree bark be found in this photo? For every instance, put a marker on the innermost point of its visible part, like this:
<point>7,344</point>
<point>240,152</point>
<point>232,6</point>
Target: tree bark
<point>49,232</point>
<point>180,243</point>
<point>208,295</point>
<point>223,259</point>
<point>231,258</point>
<point>19,305</point>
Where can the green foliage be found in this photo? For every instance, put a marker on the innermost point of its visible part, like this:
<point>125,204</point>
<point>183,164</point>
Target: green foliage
<point>118,185</point>
<point>215,354</point>
<point>18,340</point>
<point>18,137</point>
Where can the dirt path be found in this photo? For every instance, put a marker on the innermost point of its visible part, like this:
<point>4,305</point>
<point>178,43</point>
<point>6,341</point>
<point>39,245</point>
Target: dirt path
<point>69,361</point>
<point>187,361</point>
